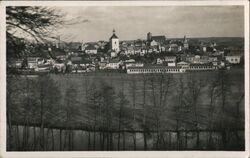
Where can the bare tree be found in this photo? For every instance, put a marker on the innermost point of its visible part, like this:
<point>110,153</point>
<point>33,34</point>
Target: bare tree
<point>37,22</point>
<point>159,88</point>
<point>94,101</point>
<point>213,95</point>
<point>223,92</point>
<point>133,89</point>
<point>107,108</point>
<point>194,88</point>
<point>123,115</point>
<point>72,112</point>
<point>49,96</point>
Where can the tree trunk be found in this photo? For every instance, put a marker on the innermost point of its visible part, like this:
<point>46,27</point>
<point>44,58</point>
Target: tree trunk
<point>178,140</point>
<point>34,134</point>
<point>100,140</point>
<point>134,140</point>
<point>89,143</point>
<point>157,140</point>
<point>72,140</point>
<point>224,139</point>
<point>186,137</point>
<point>210,140</point>
<point>111,141</point>
<point>145,141</point>
<point>103,140</point>
<point>118,143</point>
<point>163,141</point>
<point>27,137</point>
<point>24,139</point>
<point>197,139</point>
<point>42,137</point>
<point>124,141</point>
<point>65,139</point>
<point>60,139</point>
<point>94,139</point>
<point>9,144</point>
<point>52,138</point>
<point>170,140</point>
<point>17,138</point>
<point>108,142</point>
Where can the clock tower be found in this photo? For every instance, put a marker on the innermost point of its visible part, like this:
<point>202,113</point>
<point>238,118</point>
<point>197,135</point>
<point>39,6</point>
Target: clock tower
<point>114,42</point>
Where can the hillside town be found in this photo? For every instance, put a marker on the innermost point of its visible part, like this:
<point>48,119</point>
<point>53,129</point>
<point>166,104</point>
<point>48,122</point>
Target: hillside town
<point>155,54</point>
<point>125,77</point>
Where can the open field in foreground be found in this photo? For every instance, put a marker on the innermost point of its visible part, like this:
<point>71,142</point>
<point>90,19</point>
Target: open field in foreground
<point>112,111</point>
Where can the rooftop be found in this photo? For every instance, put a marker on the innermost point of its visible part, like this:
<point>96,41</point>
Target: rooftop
<point>113,36</point>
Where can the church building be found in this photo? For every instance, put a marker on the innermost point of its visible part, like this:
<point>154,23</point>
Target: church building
<point>159,39</point>
<point>114,42</point>
<point>185,43</point>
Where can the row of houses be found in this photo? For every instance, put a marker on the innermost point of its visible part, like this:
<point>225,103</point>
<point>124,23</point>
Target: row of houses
<point>79,64</point>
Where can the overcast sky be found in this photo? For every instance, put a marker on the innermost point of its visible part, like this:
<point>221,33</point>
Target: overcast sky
<point>97,23</point>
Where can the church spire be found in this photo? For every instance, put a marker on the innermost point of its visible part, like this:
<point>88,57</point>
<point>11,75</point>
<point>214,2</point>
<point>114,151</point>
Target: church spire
<point>114,35</point>
<point>185,39</point>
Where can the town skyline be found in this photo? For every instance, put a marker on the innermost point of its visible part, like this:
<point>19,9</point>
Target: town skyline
<point>88,24</point>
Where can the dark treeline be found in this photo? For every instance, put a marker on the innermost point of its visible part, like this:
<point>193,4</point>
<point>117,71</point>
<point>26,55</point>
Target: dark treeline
<point>145,112</point>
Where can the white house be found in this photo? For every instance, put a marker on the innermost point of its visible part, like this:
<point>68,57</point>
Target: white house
<point>113,54</point>
<point>171,64</point>
<point>102,65</point>
<point>17,63</point>
<point>113,64</point>
<point>90,49</point>
<point>183,64</point>
<point>233,59</point>
<point>153,43</point>
<point>170,58</point>
<point>133,64</point>
<point>159,61</point>
<point>60,67</point>
<point>212,59</point>
<point>32,62</point>
<point>43,68</point>
<point>197,59</point>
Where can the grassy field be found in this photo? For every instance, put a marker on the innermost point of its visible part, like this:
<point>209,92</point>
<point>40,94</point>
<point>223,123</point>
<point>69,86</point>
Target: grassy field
<point>172,102</point>
<point>132,86</point>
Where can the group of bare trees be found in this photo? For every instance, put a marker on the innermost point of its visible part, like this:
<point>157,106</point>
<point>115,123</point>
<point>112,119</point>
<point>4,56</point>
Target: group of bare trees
<point>166,112</point>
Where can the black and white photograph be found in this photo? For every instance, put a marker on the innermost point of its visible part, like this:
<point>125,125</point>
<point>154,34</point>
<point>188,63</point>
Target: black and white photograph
<point>125,77</point>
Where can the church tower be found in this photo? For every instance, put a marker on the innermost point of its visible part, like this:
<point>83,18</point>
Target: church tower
<point>149,36</point>
<point>185,43</point>
<point>114,42</point>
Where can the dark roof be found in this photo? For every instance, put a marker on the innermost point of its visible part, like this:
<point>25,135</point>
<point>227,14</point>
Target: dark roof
<point>76,59</point>
<point>90,47</point>
<point>113,36</point>
<point>114,60</point>
<point>158,38</point>
<point>57,52</point>
<point>79,60</point>
<point>208,64</point>
<point>155,67</point>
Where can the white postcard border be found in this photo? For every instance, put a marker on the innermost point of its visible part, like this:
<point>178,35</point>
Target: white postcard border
<point>204,154</point>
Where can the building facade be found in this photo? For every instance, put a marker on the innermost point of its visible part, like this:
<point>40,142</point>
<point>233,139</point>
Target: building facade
<point>114,43</point>
<point>233,59</point>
